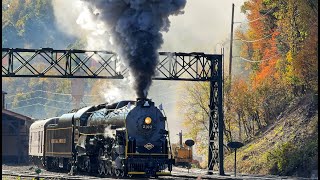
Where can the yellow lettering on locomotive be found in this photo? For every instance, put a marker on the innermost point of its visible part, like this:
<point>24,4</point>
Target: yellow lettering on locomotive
<point>58,141</point>
<point>76,136</point>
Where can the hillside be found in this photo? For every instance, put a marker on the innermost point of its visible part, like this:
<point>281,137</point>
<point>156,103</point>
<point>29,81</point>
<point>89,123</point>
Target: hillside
<point>288,147</point>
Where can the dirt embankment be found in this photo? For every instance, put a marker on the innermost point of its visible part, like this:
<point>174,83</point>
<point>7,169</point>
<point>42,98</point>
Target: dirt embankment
<point>288,147</point>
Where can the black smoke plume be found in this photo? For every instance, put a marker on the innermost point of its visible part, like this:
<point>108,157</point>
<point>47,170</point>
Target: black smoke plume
<point>135,27</point>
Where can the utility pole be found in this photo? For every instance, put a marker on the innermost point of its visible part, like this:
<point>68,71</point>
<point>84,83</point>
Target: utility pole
<point>231,40</point>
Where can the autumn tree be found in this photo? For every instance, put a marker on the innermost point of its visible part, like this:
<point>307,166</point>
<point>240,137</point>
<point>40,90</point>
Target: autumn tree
<point>276,42</point>
<point>196,114</point>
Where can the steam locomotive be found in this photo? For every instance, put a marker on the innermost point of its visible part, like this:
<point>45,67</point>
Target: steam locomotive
<point>120,139</point>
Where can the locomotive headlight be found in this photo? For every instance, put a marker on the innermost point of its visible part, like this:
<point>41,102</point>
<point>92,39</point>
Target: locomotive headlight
<point>148,120</point>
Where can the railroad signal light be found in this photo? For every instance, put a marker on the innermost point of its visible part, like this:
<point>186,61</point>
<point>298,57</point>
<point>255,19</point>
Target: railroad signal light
<point>235,145</point>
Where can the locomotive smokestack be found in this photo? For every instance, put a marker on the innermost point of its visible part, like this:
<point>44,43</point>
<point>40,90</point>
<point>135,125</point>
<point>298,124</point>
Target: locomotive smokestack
<point>144,102</point>
<point>135,28</point>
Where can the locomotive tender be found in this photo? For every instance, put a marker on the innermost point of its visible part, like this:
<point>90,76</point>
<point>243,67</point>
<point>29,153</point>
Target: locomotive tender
<point>123,138</point>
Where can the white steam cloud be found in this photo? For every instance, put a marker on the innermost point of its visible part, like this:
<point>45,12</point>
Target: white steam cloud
<point>74,18</point>
<point>108,132</point>
<point>113,92</point>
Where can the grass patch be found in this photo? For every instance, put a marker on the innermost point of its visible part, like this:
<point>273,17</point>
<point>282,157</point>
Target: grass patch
<point>287,158</point>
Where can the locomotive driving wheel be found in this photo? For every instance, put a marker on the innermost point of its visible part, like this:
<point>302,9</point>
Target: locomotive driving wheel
<point>122,173</point>
<point>101,169</point>
<point>87,165</point>
<point>109,168</point>
<point>55,163</point>
<point>48,163</point>
<point>101,164</point>
<point>117,172</point>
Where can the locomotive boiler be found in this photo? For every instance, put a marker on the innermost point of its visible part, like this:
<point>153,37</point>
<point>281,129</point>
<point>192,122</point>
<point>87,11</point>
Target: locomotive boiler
<point>120,139</point>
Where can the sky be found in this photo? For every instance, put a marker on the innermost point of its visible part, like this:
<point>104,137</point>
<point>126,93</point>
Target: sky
<point>204,24</point>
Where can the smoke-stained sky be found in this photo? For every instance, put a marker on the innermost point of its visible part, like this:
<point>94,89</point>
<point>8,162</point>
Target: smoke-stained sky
<point>135,28</point>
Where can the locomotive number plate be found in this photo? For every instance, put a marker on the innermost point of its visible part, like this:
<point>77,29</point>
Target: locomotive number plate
<point>144,126</point>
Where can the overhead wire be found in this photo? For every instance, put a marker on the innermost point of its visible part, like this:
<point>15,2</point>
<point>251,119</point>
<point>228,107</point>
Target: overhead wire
<point>41,105</point>
<point>68,102</point>
<point>256,40</point>
<point>9,96</point>
<point>249,60</point>
<point>43,98</point>
<point>48,99</point>
<point>50,92</point>
<point>263,16</point>
<point>35,105</point>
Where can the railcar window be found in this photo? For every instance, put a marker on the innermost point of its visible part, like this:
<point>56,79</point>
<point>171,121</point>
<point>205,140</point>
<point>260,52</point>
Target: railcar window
<point>41,133</point>
<point>38,141</point>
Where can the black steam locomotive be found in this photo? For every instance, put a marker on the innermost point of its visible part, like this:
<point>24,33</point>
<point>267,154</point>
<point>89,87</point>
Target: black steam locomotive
<point>120,139</point>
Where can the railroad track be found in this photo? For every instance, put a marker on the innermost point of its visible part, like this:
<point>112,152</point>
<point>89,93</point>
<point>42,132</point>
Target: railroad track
<point>29,175</point>
<point>43,176</point>
<point>8,175</point>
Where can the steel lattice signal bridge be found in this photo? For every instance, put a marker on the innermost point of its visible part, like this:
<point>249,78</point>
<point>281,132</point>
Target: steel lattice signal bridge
<point>50,63</point>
